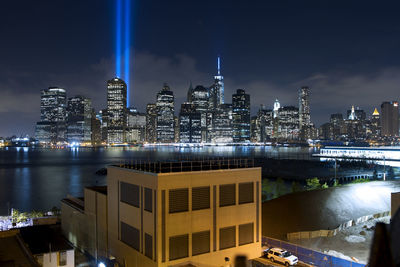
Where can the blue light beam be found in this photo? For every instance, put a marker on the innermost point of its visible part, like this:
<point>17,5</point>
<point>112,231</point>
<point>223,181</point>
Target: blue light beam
<point>127,47</point>
<point>118,39</point>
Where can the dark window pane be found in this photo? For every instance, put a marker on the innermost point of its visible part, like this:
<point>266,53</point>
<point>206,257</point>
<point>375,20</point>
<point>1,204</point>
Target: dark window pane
<point>130,236</point>
<point>227,237</point>
<point>246,233</point>
<point>148,245</point>
<point>178,247</point>
<point>227,195</point>
<point>246,193</point>
<point>200,243</point>
<point>178,200</point>
<point>130,194</point>
<point>200,198</point>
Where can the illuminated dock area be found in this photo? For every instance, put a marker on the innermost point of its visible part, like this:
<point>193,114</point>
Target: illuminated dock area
<point>380,155</point>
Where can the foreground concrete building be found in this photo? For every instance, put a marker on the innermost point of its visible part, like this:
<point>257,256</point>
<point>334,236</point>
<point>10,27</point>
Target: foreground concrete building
<point>84,221</point>
<point>202,213</point>
<point>168,214</point>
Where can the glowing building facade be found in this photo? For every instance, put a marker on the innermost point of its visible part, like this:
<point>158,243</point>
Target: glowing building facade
<point>375,125</point>
<point>136,130</point>
<point>53,114</point>
<point>200,97</point>
<point>222,124</point>
<point>116,111</point>
<point>265,124</point>
<point>79,120</point>
<point>288,123</point>
<point>189,124</point>
<point>390,119</point>
<point>241,116</point>
<point>304,107</point>
<point>151,123</point>
<point>165,127</point>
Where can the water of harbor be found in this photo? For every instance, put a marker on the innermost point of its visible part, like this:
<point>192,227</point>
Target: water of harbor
<point>38,178</point>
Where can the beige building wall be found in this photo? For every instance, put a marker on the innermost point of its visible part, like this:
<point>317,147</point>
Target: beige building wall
<point>87,228</point>
<point>183,222</point>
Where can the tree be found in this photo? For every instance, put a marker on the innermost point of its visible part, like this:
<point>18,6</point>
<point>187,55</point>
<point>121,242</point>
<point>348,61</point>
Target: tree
<point>296,187</point>
<point>267,190</point>
<point>280,188</point>
<point>313,183</point>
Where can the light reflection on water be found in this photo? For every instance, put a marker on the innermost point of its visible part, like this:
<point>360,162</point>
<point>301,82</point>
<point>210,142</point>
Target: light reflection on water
<point>37,179</point>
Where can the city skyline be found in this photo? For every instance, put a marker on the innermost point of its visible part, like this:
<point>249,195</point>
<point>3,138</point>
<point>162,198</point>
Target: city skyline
<point>270,54</point>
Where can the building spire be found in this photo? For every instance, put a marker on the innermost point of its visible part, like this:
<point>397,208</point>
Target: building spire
<point>219,65</point>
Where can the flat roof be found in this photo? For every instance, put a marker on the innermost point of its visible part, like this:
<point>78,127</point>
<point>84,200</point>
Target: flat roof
<point>43,238</point>
<point>74,204</point>
<point>187,166</point>
<point>13,253</point>
<point>98,189</point>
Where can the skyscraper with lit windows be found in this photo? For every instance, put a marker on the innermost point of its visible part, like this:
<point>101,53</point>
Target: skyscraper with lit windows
<point>304,113</point>
<point>116,111</point>
<point>390,119</point>
<point>165,125</point>
<point>241,116</point>
<point>79,119</point>
<point>53,115</point>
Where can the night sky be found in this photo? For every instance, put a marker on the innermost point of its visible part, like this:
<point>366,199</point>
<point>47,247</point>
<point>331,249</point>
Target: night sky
<point>348,53</point>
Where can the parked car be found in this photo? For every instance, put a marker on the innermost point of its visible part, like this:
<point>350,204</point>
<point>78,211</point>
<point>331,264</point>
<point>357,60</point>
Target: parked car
<point>281,256</point>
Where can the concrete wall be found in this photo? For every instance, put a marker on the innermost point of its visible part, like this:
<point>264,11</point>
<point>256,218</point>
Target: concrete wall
<point>395,203</point>
<point>87,229</point>
<point>75,228</point>
<point>52,259</point>
<point>117,211</point>
<point>333,232</point>
<point>182,222</point>
<point>96,218</point>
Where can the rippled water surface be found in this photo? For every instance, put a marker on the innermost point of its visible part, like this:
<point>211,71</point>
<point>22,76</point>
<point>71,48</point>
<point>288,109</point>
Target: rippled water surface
<point>37,179</point>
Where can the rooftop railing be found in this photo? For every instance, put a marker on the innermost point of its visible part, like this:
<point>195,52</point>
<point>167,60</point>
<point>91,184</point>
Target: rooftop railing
<point>187,165</point>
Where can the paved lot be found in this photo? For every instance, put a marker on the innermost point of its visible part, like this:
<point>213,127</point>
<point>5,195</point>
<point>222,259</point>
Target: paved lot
<point>269,263</point>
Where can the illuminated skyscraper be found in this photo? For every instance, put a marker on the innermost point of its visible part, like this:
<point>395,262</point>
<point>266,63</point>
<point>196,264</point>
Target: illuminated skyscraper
<point>189,124</point>
<point>136,131</point>
<point>53,114</point>
<point>199,97</point>
<point>277,106</point>
<point>222,124</point>
<point>337,126</point>
<point>151,123</point>
<point>241,116</point>
<point>265,118</point>
<point>103,118</point>
<point>375,124</point>
<point>288,123</point>
<point>165,116</point>
<point>305,124</point>
<point>390,118</point>
<point>116,111</point>
<point>304,107</point>
<point>79,118</point>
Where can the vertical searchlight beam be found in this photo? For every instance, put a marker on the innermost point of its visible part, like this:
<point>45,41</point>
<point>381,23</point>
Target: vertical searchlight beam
<point>118,18</point>
<point>127,47</point>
